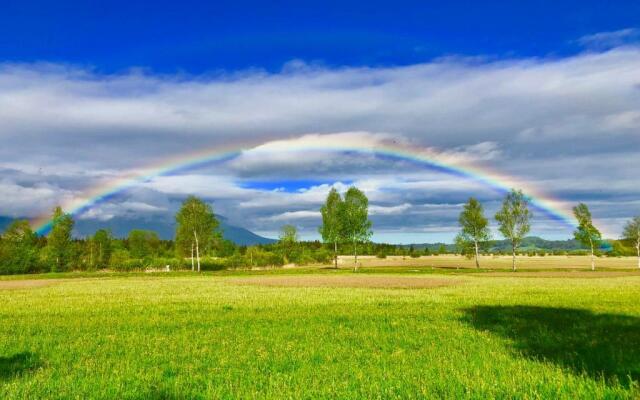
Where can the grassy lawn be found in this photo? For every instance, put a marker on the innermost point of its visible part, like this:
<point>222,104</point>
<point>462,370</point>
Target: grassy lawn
<point>321,334</point>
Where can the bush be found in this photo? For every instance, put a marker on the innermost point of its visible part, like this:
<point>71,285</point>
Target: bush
<point>304,258</point>
<point>323,256</point>
<point>381,254</point>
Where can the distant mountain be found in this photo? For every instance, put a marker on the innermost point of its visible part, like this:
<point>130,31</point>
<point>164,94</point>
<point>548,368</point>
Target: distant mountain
<point>5,222</point>
<point>120,227</point>
<point>528,243</point>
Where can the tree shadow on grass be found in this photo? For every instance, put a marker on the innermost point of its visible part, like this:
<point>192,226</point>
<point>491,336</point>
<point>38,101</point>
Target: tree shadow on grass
<point>18,364</point>
<point>600,345</point>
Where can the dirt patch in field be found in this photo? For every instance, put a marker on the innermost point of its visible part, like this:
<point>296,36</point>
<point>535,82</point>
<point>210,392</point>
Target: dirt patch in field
<point>560,274</point>
<point>392,282</point>
<point>27,283</point>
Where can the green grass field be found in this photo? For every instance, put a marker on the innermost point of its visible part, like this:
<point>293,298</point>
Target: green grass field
<point>318,333</point>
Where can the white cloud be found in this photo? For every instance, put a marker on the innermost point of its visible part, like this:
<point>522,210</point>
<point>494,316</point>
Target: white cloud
<point>294,215</point>
<point>389,210</point>
<point>107,211</point>
<point>569,125</point>
<point>610,39</point>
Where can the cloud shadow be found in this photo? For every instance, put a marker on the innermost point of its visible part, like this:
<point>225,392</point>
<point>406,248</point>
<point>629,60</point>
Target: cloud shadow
<point>18,364</point>
<point>600,345</point>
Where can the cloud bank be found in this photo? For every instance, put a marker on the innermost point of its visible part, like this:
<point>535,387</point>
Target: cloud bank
<point>568,125</point>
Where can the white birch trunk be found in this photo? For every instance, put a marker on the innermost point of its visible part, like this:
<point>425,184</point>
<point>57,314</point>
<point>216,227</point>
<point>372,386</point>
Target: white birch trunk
<point>197,249</point>
<point>192,265</point>
<point>638,247</point>
<point>355,255</point>
<point>513,261</point>
<point>477,262</point>
<point>335,255</point>
<point>593,262</point>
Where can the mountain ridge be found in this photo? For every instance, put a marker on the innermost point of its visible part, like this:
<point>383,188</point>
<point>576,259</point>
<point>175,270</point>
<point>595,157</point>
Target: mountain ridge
<point>165,229</point>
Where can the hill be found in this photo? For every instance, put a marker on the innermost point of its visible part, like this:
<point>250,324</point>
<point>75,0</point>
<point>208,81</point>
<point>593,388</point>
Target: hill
<point>165,228</point>
<point>529,243</point>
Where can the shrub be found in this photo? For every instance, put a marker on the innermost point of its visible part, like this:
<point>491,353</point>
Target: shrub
<point>323,256</point>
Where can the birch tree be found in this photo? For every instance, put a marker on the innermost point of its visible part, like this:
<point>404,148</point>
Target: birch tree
<point>18,248</point>
<point>475,228</point>
<point>356,226</point>
<point>288,240</point>
<point>331,229</point>
<point>514,220</point>
<point>631,233</point>
<point>586,233</point>
<point>59,240</point>
<point>196,225</point>
<point>102,240</point>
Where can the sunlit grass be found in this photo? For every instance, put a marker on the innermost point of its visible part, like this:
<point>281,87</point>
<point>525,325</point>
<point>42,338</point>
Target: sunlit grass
<point>185,336</point>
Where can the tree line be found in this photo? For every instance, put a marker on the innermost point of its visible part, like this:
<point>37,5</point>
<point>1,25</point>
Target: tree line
<point>346,221</point>
<point>199,244</point>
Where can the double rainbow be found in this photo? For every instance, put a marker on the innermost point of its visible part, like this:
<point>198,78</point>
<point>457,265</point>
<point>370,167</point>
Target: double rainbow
<point>451,163</point>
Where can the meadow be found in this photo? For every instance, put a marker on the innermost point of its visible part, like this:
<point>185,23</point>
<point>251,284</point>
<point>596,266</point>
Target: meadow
<point>390,331</point>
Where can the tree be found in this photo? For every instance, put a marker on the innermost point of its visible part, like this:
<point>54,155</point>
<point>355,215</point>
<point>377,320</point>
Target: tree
<point>18,248</point>
<point>356,226</point>
<point>631,233</point>
<point>331,229</point>
<point>143,243</point>
<point>586,233</point>
<point>475,228</point>
<point>288,240</point>
<point>59,239</point>
<point>196,225</point>
<point>101,243</point>
<point>513,220</point>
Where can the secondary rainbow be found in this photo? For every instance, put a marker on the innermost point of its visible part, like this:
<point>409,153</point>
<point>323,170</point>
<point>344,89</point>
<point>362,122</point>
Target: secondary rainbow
<point>457,165</point>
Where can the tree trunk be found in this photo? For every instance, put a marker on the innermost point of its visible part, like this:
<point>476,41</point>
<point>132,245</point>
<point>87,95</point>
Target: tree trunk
<point>335,255</point>
<point>513,261</point>
<point>355,255</point>
<point>91,254</point>
<point>593,262</point>
<point>192,265</point>
<point>197,249</point>
<point>638,247</point>
<point>477,262</point>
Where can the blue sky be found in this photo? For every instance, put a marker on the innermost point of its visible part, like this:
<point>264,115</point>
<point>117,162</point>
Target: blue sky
<point>544,92</point>
<point>204,36</point>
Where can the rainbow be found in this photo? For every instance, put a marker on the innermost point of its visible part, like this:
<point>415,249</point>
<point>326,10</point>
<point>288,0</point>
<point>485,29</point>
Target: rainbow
<point>451,163</point>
